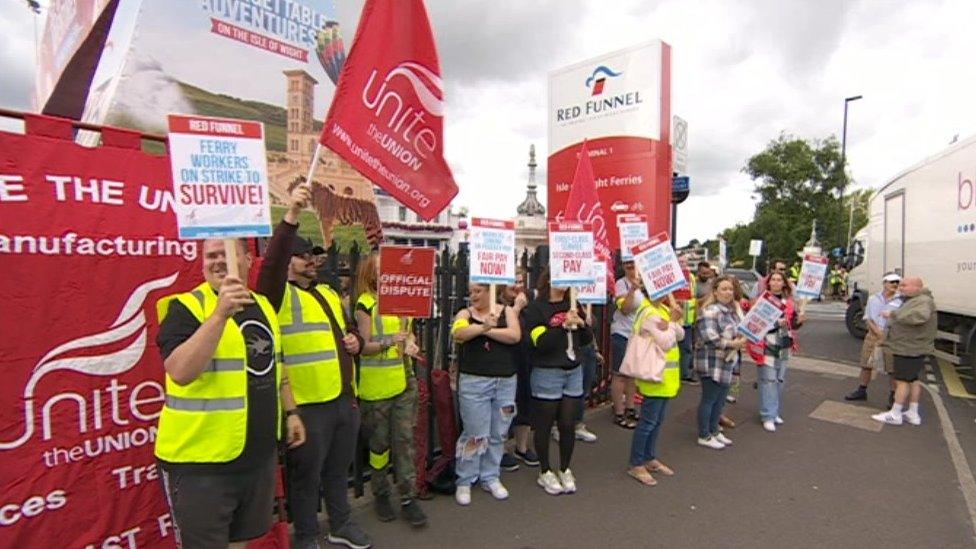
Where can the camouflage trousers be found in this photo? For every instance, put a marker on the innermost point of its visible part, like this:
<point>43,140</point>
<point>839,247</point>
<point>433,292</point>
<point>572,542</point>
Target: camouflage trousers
<point>389,426</point>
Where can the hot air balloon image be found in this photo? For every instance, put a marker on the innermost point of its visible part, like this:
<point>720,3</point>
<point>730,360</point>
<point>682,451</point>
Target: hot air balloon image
<point>330,50</point>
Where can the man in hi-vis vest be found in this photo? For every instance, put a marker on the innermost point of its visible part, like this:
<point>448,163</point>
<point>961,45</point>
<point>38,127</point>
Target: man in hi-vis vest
<point>226,394</point>
<point>319,345</point>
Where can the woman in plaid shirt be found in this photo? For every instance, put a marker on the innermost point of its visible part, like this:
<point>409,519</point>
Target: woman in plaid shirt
<point>717,355</point>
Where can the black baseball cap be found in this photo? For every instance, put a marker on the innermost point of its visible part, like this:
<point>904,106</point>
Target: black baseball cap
<point>301,246</point>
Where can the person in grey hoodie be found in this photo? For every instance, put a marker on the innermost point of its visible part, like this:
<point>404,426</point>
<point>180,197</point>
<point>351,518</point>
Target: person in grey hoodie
<point>911,337</point>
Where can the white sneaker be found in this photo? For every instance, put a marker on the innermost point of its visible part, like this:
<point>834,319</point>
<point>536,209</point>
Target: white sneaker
<point>555,433</point>
<point>550,483</point>
<point>711,442</point>
<point>568,481</point>
<point>584,434</point>
<point>770,426</point>
<point>779,420</point>
<point>496,488</point>
<point>462,495</point>
<point>914,419</point>
<point>724,439</point>
<point>887,417</point>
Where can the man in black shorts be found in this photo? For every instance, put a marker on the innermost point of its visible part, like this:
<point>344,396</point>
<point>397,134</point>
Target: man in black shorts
<point>911,338</point>
<point>226,395</point>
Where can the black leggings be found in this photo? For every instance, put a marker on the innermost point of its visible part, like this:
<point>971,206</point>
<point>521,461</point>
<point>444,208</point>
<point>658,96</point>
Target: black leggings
<point>563,413</point>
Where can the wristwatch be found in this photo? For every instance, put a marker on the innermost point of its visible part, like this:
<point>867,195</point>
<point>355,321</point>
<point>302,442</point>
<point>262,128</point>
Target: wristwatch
<point>292,412</point>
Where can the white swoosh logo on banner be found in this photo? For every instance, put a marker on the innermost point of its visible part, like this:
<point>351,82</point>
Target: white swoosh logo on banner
<point>431,102</point>
<point>131,318</point>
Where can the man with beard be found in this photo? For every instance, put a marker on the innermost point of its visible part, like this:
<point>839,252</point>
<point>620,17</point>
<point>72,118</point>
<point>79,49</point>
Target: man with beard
<point>319,345</point>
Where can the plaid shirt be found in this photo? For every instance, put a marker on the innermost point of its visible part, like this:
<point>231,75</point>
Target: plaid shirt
<point>716,328</point>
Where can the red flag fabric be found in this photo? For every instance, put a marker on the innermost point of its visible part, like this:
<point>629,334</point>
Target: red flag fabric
<point>584,205</point>
<point>386,119</point>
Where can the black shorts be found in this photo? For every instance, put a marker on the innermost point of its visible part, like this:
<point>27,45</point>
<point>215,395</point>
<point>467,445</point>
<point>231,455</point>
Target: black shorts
<point>908,368</point>
<point>212,510</point>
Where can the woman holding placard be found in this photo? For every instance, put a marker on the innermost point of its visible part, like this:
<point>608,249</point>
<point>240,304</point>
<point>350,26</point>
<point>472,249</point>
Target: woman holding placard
<point>716,358</point>
<point>487,334</point>
<point>777,345</point>
<point>551,321</point>
<point>387,397</point>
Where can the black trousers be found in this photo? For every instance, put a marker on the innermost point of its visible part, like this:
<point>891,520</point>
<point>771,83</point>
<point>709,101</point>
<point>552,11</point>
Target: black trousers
<point>323,461</point>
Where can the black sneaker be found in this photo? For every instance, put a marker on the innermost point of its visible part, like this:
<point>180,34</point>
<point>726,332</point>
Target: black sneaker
<point>384,509</point>
<point>857,394</point>
<point>509,463</point>
<point>690,381</point>
<point>528,457</point>
<point>350,535</point>
<point>413,514</point>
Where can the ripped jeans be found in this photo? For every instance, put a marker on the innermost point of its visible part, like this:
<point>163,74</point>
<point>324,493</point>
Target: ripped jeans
<point>487,407</point>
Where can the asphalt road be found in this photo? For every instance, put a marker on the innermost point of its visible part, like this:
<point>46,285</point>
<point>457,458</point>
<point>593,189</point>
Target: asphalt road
<point>813,483</point>
<point>825,336</point>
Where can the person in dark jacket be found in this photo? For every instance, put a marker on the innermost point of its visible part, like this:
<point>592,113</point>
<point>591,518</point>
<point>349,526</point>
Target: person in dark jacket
<point>911,338</point>
<point>557,333</point>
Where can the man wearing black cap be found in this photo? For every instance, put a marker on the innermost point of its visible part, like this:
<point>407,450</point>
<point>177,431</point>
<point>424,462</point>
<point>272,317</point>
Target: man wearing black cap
<point>320,345</point>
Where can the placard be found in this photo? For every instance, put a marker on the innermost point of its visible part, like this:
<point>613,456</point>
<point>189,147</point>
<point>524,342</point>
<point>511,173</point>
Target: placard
<point>595,293</point>
<point>571,253</point>
<point>761,319</point>
<point>658,266</point>
<point>755,248</point>
<point>406,281</point>
<point>812,275</point>
<point>492,259</point>
<point>220,177</point>
<point>633,230</point>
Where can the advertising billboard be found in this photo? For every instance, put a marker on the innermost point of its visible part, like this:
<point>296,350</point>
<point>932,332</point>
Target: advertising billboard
<point>620,103</point>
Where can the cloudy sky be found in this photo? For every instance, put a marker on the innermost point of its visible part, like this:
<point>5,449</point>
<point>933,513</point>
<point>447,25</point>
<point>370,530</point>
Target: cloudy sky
<point>742,73</point>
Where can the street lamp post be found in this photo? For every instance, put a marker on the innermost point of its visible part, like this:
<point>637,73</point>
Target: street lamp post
<point>843,163</point>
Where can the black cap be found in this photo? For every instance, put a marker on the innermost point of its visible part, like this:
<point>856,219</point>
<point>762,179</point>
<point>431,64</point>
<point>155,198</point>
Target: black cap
<point>301,246</point>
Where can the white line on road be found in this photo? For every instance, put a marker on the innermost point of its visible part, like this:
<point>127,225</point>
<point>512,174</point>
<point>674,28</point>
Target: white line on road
<point>963,472</point>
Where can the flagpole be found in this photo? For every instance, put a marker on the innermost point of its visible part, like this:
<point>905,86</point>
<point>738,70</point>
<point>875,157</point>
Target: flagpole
<point>315,162</point>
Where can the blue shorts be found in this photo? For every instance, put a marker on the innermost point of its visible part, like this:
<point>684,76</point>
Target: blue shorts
<point>618,348</point>
<point>556,383</point>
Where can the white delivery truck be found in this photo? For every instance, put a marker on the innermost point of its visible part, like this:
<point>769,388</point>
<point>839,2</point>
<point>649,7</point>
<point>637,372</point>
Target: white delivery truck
<point>923,223</point>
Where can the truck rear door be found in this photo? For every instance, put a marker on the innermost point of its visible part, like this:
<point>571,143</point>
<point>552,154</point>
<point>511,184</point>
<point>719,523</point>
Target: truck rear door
<point>894,232</point>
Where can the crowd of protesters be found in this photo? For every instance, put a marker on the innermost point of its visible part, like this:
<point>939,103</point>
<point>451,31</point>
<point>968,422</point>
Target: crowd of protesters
<point>526,362</point>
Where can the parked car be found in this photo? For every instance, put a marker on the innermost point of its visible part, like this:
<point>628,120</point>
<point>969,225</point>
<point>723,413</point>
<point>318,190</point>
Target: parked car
<point>749,280</point>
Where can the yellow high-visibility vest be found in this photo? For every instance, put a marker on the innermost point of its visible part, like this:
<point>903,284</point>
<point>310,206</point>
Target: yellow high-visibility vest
<point>691,305</point>
<point>311,350</point>
<point>205,421</point>
<point>381,375</point>
<point>670,382</point>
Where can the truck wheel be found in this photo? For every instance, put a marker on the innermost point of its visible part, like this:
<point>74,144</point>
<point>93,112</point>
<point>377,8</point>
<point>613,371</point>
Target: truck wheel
<point>854,319</point>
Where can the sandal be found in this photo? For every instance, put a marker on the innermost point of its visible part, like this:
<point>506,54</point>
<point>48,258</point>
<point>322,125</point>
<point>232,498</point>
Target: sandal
<point>641,475</point>
<point>622,421</point>
<point>659,468</point>
<point>726,422</point>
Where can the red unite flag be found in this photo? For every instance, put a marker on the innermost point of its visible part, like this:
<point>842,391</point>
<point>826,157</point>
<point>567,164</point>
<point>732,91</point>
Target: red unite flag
<point>584,205</point>
<point>387,117</point>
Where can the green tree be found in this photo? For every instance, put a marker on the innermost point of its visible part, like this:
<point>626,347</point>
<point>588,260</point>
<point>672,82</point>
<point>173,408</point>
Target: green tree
<point>797,181</point>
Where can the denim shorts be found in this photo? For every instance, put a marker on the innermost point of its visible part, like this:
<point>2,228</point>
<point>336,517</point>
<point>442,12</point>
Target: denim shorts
<point>556,383</point>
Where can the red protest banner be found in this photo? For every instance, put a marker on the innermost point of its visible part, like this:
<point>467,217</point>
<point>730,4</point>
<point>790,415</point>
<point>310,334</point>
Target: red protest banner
<point>584,205</point>
<point>386,119</point>
<point>88,245</point>
<point>406,284</point>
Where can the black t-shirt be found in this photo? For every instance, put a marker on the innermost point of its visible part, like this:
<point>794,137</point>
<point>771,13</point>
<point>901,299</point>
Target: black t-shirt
<point>549,349</point>
<point>483,356</point>
<point>262,396</point>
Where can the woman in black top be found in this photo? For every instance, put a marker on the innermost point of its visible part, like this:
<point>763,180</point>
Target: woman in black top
<point>487,334</point>
<point>557,334</point>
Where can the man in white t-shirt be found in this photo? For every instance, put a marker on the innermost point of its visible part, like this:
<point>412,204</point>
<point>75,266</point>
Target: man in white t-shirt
<point>628,298</point>
<point>885,300</point>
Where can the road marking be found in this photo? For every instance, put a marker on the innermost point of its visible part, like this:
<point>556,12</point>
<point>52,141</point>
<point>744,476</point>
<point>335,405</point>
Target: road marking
<point>846,414</point>
<point>963,472</point>
<point>952,382</point>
